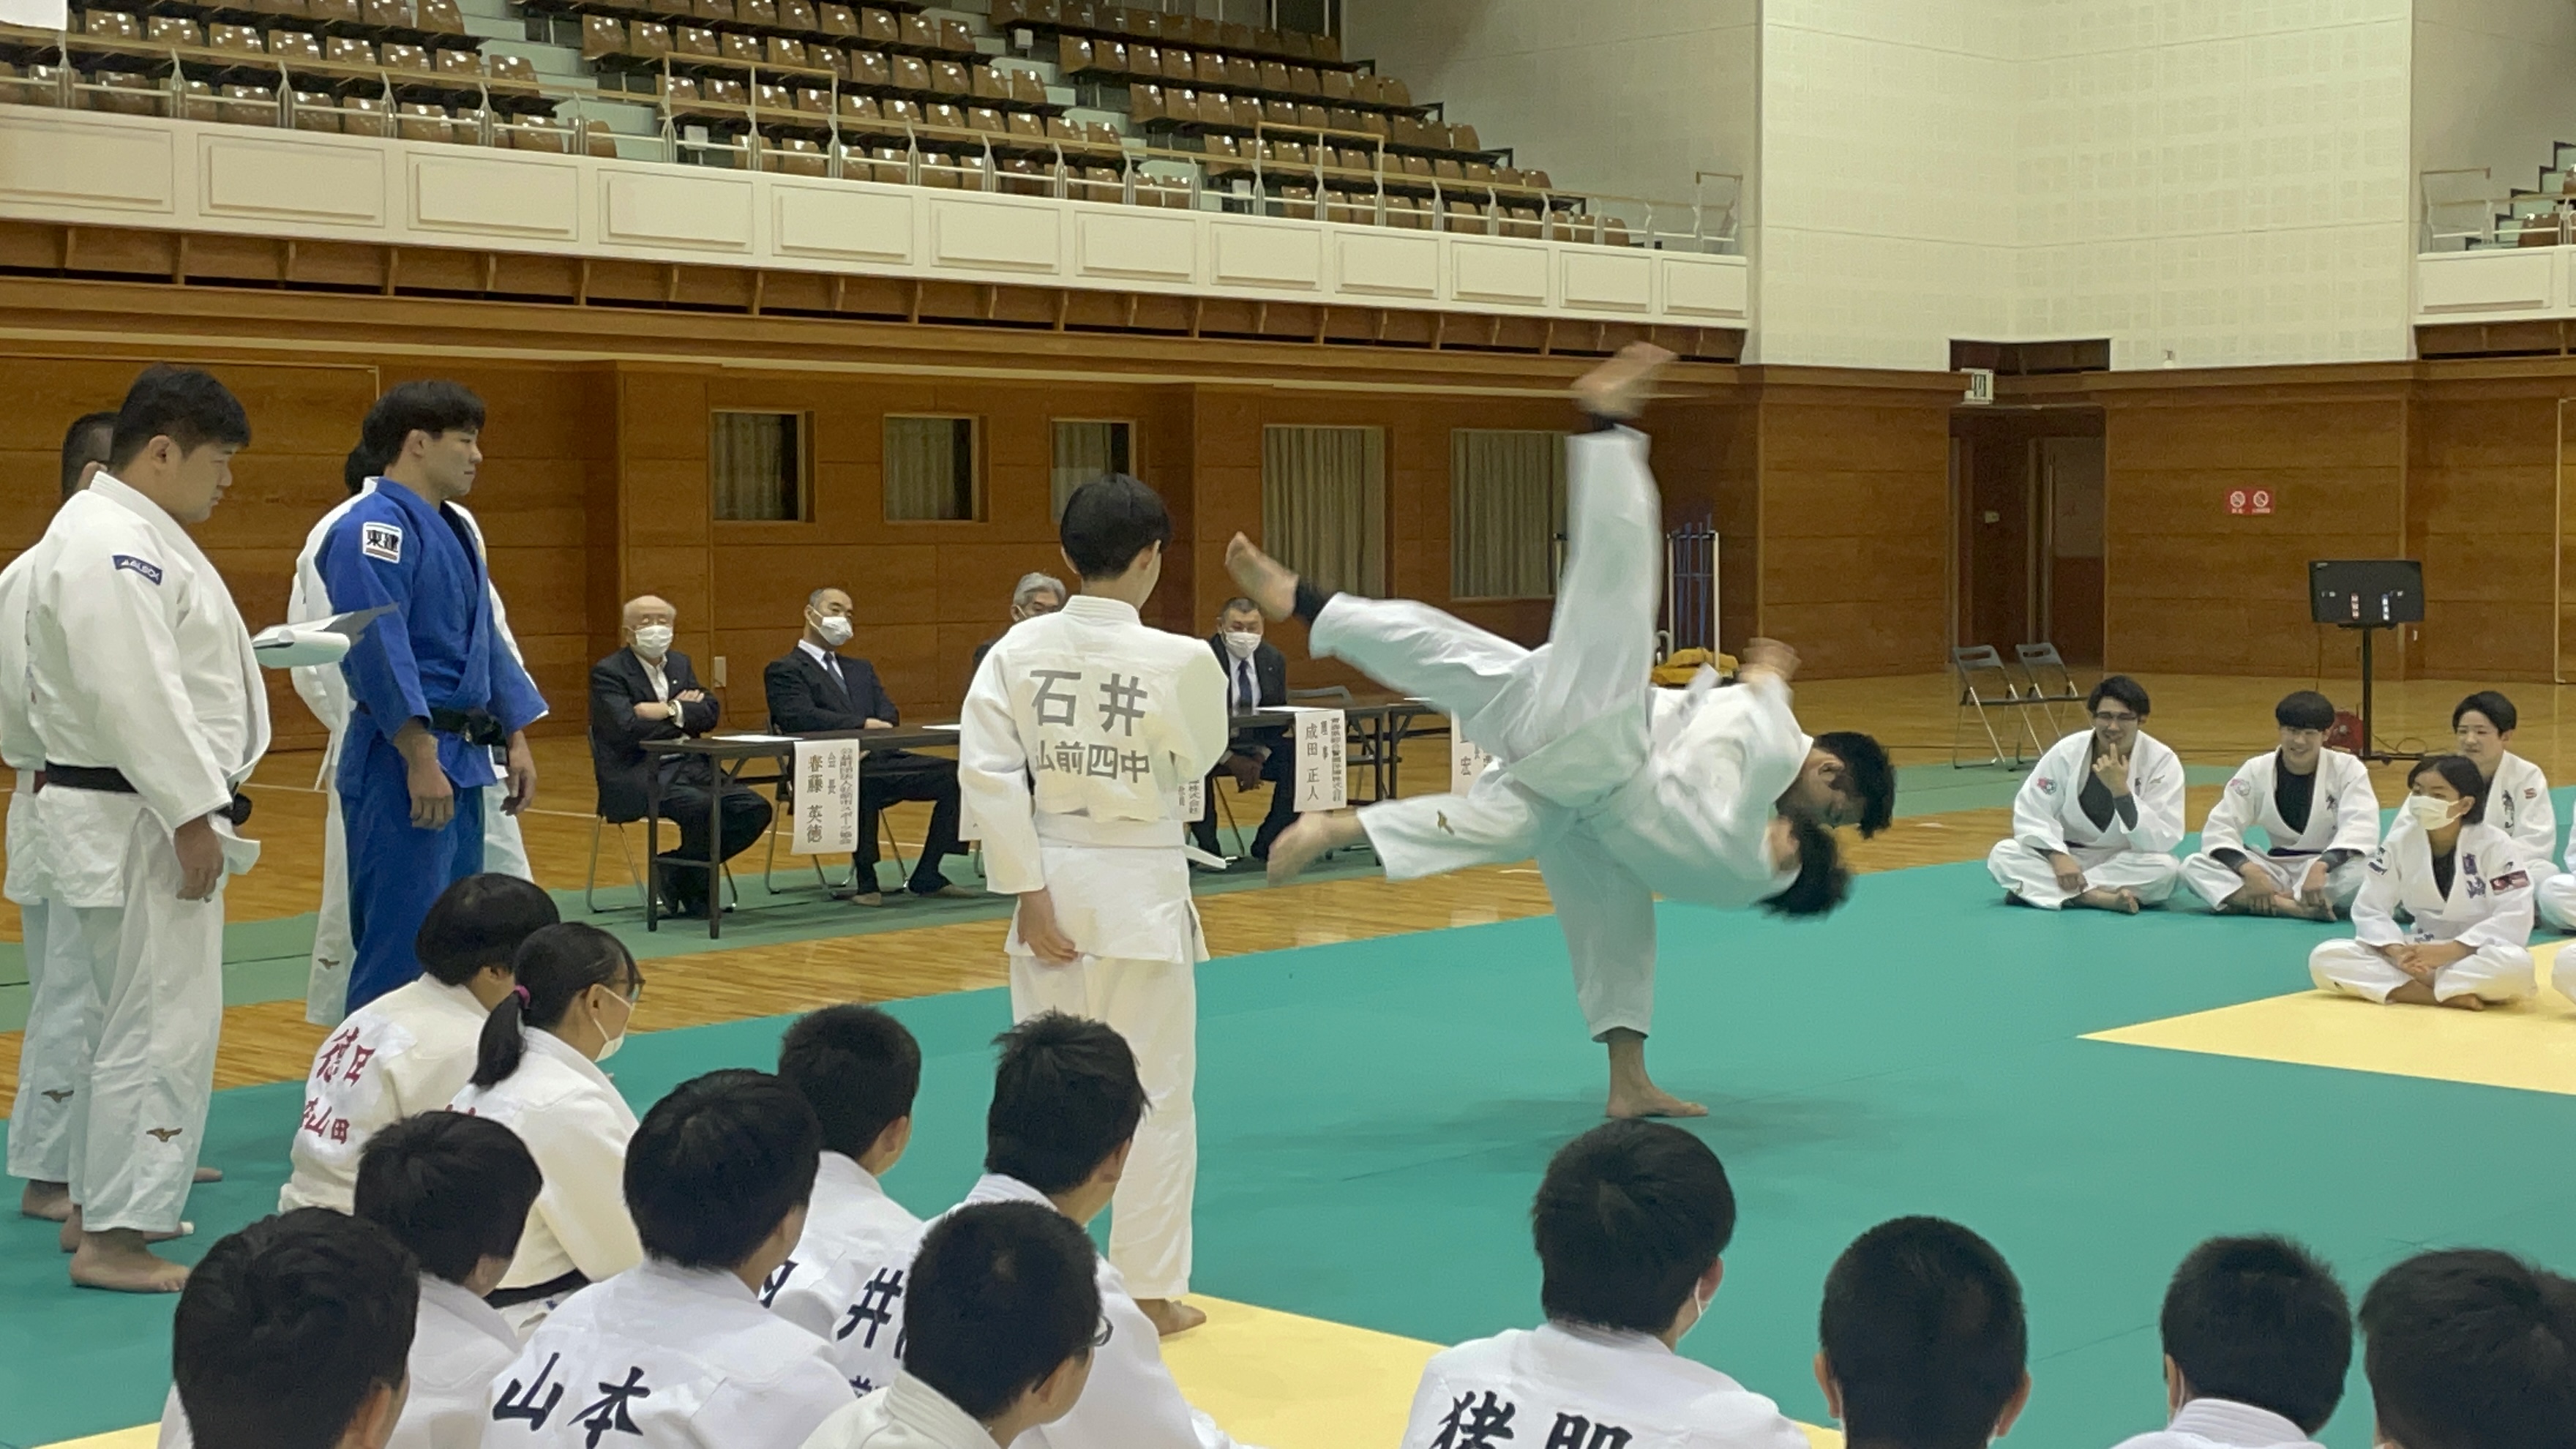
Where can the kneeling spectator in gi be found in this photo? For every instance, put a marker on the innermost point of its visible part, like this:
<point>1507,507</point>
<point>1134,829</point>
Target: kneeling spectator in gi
<point>2096,823</point>
<point>2318,815</point>
<point>2471,1349</point>
<point>858,1068</point>
<point>2257,1337</point>
<point>293,1333</point>
<point>1923,1339</point>
<point>2465,895</point>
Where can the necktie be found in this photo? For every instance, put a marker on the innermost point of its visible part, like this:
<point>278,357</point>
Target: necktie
<point>1246,695</point>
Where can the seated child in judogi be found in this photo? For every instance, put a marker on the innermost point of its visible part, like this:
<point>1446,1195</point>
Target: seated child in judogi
<point>2319,818</point>
<point>2257,1338</point>
<point>295,1330</point>
<point>411,1049</point>
<point>677,1353</point>
<point>1066,1101</point>
<point>999,1325</point>
<point>2096,823</point>
<point>2464,891</point>
<point>1630,1221</point>
<point>859,1069</point>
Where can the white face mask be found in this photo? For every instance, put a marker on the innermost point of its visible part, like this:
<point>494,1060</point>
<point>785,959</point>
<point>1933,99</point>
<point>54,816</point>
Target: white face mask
<point>1697,1318</point>
<point>835,629</point>
<point>653,640</point>
<point>610,1048</point>
<point>1240,644</point>
<point>2430,813</point>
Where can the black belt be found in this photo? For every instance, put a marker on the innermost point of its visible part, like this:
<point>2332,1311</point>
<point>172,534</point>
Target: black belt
<point>534,1292</point>
<point>474,726</point>
<point>110,781</point>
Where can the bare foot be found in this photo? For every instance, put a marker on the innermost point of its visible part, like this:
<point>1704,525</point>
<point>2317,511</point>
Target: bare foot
<point>1632,1092</point>
<point>118,1261</point>
<point>2100,899</point>
<point>1264,580</point>
<point>69,1239</point>
<point>1170,1315</point>
<point>2250,901</point>
<point>51,1201</point>
<point>2300,910</point>
<point>1617,388</point>
<point>210,1174</point>
<point>1302,844</point>
<point>2471,1002</point>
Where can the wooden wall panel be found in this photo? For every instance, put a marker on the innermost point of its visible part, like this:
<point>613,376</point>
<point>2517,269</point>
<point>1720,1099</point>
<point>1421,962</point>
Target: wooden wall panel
<point>1854,530</point>
<point>2481,512</point>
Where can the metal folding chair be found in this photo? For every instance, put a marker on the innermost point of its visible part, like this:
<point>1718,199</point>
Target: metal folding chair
<point>1984,684</point>
<point>2050,683</point>
<point>590,878</point>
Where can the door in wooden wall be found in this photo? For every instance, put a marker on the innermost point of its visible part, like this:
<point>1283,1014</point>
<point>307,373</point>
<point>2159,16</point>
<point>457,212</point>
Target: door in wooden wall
<point>1991,554</point>
<point>2070,552</point>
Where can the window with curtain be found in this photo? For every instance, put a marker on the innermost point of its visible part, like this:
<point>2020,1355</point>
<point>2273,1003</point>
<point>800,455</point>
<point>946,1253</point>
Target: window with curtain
<point>929,469</point>
<point>756,462</point>
<point>1323,504</point>
<point>1084,450</point>
<point>1506,508</point>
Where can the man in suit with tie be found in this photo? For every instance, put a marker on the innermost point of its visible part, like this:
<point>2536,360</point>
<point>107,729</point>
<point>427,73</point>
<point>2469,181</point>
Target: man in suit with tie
<point>814,689</point>
<point>1256,677</point>
<point>648,691</point>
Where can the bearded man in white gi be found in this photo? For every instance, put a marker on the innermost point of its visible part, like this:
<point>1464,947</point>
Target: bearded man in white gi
<point>2316,810</point>
<point>2096,823</point>
<point>152,714</point>
<point>1623,792</point>
<point>1080,731</point>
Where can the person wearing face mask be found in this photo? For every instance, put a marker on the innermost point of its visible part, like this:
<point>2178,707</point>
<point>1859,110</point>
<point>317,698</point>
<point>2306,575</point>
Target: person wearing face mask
<point>1630,1223</point>
<point>815,689</point>
<point>1037,596</point>
<point>1256,677</point>
<point>2318,815</point>
<point>536,1072</point>
<point>648,691</point>
<point>2096,823</point>
<point>2465,894</point>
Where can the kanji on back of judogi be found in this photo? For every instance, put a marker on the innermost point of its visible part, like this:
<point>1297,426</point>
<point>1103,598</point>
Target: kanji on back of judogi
<point>1087,724</point>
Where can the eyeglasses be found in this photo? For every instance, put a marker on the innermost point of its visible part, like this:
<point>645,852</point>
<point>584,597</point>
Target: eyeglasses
<point>1101,1338</point>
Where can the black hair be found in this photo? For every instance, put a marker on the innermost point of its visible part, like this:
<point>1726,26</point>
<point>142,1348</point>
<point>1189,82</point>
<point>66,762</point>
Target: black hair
<point>455,1189</point>
<point>358,467</point>
<point>2498,710</point>
<point>1869,776</point>
<point>89,439</point>
<point>1823,883</point>
<point>2472,1349</point>
<point>2260,1321</point>
<point>2462,774</point>
<point>1923,1332</point>
<point>554,966</point>
<point>857,1067</point>
<point>433,406</point>
<point>480,921</point>
<point>183,404</point>
<point>2304,709</point>
<point>1628,1218</point>
<point>1110,520</point>
<point>716,1166</point>
<point>1065,1097</point>
<point>1001,1295</point>
<point>2122,688</point>
<point>287,1327</point>
<point>1237,605</point>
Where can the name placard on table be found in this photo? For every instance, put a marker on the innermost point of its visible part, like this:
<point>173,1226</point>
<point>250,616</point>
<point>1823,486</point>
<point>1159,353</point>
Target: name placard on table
<point>1322,779</point>
<point>827,797</point>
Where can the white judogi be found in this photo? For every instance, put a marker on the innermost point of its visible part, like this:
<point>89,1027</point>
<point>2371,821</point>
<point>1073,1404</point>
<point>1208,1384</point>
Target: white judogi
<point>138,662</point>
<point>905,1414</point>
<point>664,1357</point>
<point>576,1125</point>
<point>406,1052</point>
<point>1564,1384</point>
<point>2223,1424</point>
<point>325,691</point>
<point>2048,815</point>
<point>2343,814</point>
<point>851,1226</point>
<point>2487,909</point>
<point>2518,804</point>
<point>1078,733</point>
<point>1623,792</point>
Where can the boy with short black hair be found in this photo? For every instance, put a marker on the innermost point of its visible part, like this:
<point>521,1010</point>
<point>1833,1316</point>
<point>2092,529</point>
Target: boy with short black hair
<point>293,1333</point>
<point>1629,1222</point>
<point>1922,1340</point>
<point>2517,792</point>
<point>411,1049</point>
<point>2318,814</point>
<point>2257,1338</point>
<point>2471,1349</point>
<point>677,1352</point>
<point>999,1326</point>
<point>859,1069</point>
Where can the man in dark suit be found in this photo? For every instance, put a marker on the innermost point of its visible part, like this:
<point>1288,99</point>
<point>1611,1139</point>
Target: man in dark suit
<point>1037,594</point>
<point>647,691</point>
<point>814,689</point>
<point>1256,677</point>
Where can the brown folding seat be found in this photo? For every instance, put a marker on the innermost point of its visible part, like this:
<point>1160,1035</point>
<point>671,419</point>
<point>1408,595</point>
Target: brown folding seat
<point>460,63</point>
<point>989,84</point>
<point>712,9</point>
<point>1297,202</point>
<point>172,30</point>
<point>858,113</point>
<point>826,56</point>
<point>1102,136</point>
<point>537,133</point>
<point>885,164</point>
<point>1097,183</point>
<point>1266,39</point>
<point>334,12</point>
<point>1224,155</point>
<point>756,12</point>
<point>1216,109</point>
<point>1146,103</point>
<point>1465,216</point>
<point>284,8</point>
<point>1297,43</point>
<point>678,9</point>
<point>1144,60</point>
<point>911,72</point>
<point>1327,47</point>
<point>1234,35</point>
<point>1115,57</point>
<point>1478,171</point>
<point>838,19</point>
<point>783,51</point>
<point>1060,129</point>
<point>938,169</point>
<point>680,90</point>
<point>955,38</point>
<point>1337,85</point>
<point>1304,81</point>
<point>241,105</point>
<point>649,38</point>
<point>772,98</point>
<point>1027,88</point>
<point>1181,66</point>
<point>416,122</point>
<point>366,116</point>
<point>1277,113</point>
<point>1202,30</point>
<point>879,27</point>
<point>1273,75</point>
<point>1022,176</point>
<point>239,39</point>
<point>1026,125</point>
<point>948,78</point>
<point>1289,155</point>
<point>799,15</point>
<point>598,140</point>
<point>441,17</point>
<point>987,120</point>
<point>694,40</point>
<point>1407,131</point>
<point>1007,13</point>
<point>347,50</point>
<point>944,116</point>
<point>901,112</point>
<point>1210,69</point>
<point>119,92</point>
<point>868,68</point>
<point>1463,138</point>
<point>294,45</point>
<point>387,14</point>
<point>724,92</point>
<point>919,32</point>
<point>739,48</point>
<point>1074,55</point>
<point>794,156</point>
<point>602,35</point>
<point>315,111</point>
<point>467,127</point>
<point>813,102</point>
<point>403,57</point>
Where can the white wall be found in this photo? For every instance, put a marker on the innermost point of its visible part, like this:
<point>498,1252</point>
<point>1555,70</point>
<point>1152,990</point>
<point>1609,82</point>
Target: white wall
<point>2495,84</point>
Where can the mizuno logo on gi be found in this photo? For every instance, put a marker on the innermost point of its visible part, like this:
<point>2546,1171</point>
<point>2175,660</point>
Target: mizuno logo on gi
<point>381,540</point>
<point>58,1095</point>
<point>131,564</point>
<point>163,1133</point>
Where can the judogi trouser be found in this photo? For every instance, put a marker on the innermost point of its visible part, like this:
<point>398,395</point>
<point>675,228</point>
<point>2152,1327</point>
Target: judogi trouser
<point>395,870</point>
<point>1154,1005</point>
<point>62,1024</point>
<point>2490,973</point>
<point>2554,900</point>
<point>2214,880</point>
<point>2026,872</point>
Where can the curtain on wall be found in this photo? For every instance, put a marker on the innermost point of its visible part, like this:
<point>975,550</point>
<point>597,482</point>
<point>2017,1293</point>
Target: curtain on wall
<point>1323,504</point>
<point>751,458</point>
<point>1506,507</point>
<point>929,469</point>
<point>1084,451</point>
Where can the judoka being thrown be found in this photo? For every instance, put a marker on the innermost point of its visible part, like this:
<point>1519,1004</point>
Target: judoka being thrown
<point>1621,791</point>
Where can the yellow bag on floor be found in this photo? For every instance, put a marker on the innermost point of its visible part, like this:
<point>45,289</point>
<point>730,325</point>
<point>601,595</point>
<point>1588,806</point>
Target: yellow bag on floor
<point>1678,670</point>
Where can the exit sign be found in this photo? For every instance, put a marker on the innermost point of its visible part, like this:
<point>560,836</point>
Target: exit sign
<point>2249,502</point>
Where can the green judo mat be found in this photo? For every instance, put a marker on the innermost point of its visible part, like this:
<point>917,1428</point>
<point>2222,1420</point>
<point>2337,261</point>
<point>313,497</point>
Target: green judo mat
<point>1375,1115</point>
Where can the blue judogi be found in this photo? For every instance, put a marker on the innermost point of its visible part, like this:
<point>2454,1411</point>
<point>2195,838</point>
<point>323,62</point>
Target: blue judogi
<point>439,653</point>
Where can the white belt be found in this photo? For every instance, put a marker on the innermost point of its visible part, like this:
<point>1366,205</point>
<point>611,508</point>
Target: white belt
<point>1062,829</point>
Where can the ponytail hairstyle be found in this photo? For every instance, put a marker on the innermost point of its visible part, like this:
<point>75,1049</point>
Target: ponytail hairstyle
<point>1823,883</point>
<point>554,966</point>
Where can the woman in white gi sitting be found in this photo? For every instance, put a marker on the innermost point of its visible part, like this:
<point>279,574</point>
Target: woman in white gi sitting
<point>2096,823</point>
<point>536,1074</point>
<point>2465,894</point>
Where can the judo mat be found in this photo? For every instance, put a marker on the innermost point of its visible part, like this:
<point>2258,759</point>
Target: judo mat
<point>1375,1115</point>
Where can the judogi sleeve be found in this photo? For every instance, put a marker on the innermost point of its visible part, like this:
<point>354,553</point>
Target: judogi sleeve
<point>2374,911</point>
<point>2537,836</point>
<point>515,701</point>
<point>993,773</point>
<point>1132,1401</point>
<point>1431,1404</point>
<point>2356,809</point>
<point>584,1197</point>
<point>2159,798</point>
<point>2036,821</point>
<point>382,672</point>
<point>2508,918</point>
<point>1731,788</point>
<point>783,1411</point>
<point>2223,834</point>
<point>322,687</point>
<point>1199,731</point>
<point>20,745</point>
<point>115,621</point>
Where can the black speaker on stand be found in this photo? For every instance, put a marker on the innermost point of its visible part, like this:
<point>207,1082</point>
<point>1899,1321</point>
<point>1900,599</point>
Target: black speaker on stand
<point>2368,595</point>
